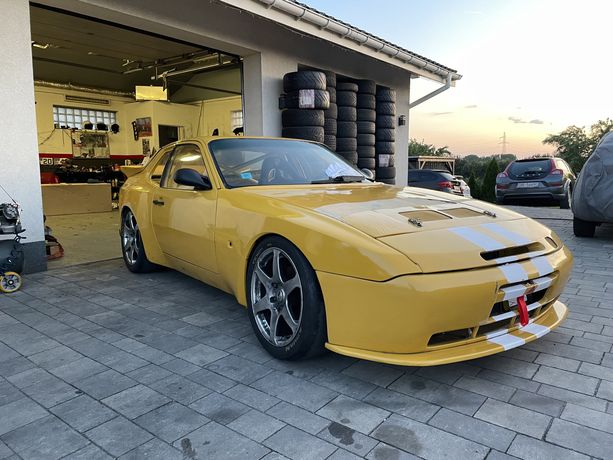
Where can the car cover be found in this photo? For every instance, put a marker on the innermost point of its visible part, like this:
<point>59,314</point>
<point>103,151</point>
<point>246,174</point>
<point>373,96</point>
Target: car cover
<point>593,194</point>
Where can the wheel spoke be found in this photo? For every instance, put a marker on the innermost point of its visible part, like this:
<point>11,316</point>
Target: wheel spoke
<point>290,285</point>
<point>263,277</point>
<point>261,305</point>
<point>274,324</point>
<point>276,266</point>
<point>287,316</point>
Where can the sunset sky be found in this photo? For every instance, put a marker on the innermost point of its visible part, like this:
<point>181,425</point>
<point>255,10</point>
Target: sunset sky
<point>530,68</point>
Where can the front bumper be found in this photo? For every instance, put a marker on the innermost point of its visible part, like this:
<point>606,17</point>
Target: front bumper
<point>397,321</point>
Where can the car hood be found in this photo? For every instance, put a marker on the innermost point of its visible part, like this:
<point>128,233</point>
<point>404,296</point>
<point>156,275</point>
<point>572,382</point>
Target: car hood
<point>437,231</point>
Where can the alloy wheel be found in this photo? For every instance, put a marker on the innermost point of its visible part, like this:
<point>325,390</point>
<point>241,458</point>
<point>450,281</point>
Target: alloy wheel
<point>130,237</point>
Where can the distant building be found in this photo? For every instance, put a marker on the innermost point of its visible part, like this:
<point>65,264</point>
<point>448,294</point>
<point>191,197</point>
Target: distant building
<point>432,162</point>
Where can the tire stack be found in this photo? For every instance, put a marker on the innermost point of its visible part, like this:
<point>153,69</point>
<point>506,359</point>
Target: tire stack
<point>304,101</point>
<point>331,114</point>
<point>347,130</point>
<point>385,135</point>
<point>366,116</point>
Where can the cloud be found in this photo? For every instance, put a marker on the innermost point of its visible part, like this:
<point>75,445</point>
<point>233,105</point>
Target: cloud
<point>517,120</point>
<point>534,121</point>
<point>437,114</point>
<point>472,106</point>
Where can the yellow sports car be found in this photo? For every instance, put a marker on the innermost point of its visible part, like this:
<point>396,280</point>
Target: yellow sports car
<point>323,257</point>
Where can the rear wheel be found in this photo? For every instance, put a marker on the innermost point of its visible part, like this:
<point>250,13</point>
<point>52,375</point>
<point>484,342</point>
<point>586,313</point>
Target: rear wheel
<point>132,247</point>
<point>285,304</point>
<point>566,200</point>
<point>10,282</point>
<point>583,228</point>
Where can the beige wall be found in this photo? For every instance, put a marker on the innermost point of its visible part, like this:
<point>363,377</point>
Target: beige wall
<point>216,113</point>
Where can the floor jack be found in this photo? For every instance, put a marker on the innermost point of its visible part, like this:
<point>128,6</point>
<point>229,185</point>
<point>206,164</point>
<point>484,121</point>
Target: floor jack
<point>11,251</point>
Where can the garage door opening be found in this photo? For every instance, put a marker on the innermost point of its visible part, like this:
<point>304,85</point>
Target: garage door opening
<point>109,96</point>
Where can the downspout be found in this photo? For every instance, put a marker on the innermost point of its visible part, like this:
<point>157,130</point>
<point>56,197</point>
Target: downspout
<point>436,92</point>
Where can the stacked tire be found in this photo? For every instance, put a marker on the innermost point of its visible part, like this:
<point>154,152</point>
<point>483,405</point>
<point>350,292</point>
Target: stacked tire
<point>365,123</point>
<point>385,134</point>
<point>346,130</point>
<point>331,114</point>
<point>304,101</point>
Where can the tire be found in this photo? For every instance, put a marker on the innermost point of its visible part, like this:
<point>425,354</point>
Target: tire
<point>386,108</point>
<point>330,126</point>
<point>330,78</point>
<point>366,101</point>
<point>346,114</point>
<point>387,181</point>
<point>312,99</point>
<point>346,129</point>
<point>346,86</point>
<point>10,282</point>
<point>499,200</point>
<point>132,249</point>
<point>350,156</point>
<point>566,200</point>
<point>583,228</point>
<point>385,148</point>
<point>346,144</point>
<point>385,172</point>
<point>366,139</point>
<point>386,135</point>
<point>332,92</point>
<point>366,151</point>
<point>366,115</point>
<point>332,111</point>
<point>366,87</point>
<point>310,133</point>
<point>346,98</point>
<point>302,117</point>
<point>365,127</point>
<point>384,161</point>
<point>385,94</point>
<point>368,163</point>
<point>330,141</point>
<point>304,304</point>
<point>385,121</point>
<point>304,79</point>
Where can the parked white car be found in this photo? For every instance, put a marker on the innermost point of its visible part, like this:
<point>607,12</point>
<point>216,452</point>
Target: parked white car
<point>463,186</point>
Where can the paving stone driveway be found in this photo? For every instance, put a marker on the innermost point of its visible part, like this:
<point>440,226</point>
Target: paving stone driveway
<point>97,363</point>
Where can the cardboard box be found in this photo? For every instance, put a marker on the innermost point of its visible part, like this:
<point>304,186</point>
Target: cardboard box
<point>61,199</point>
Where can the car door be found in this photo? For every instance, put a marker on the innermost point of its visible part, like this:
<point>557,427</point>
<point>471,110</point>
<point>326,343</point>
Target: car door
<point>183,219</point>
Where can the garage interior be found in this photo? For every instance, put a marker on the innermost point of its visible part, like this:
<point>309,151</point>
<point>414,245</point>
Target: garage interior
<point>106,96</point>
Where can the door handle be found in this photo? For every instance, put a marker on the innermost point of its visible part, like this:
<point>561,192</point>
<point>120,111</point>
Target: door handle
<point>158,202</point>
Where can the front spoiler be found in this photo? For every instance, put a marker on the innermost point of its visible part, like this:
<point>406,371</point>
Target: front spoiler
<point>490,344</point>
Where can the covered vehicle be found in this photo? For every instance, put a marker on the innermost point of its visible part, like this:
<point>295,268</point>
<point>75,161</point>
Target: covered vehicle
<point>323,257</point>
<point>593,197</point>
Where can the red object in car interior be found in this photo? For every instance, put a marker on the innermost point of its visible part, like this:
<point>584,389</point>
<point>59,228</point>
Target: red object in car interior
<point>445,184</point>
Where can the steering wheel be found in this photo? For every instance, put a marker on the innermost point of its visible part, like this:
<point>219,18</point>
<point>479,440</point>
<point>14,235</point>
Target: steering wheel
<point>278,170</point>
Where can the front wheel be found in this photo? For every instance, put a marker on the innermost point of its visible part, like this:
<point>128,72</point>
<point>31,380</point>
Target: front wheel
<point>583,228</point>
<point>10,282</point>
<point>285,303</point>
<point>132,247</point>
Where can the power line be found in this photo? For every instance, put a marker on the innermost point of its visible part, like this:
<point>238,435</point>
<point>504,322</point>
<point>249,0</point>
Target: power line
<point>504,143</point>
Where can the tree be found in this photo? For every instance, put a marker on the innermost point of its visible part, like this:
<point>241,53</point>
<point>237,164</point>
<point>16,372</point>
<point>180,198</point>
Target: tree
<point>442,151</point>
<point>417,148</point>
<point>475,192</point>
<point>575,144</point>
<point>489,181</point>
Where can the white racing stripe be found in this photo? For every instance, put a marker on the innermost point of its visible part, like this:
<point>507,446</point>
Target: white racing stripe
<point>514,273</point>
<point>510,314</point>
<point>507,341</point>
<point>513,292</point>
<point>536,329</point>
<point>516,238</point>
<point>478,238</point>
<point>542,265</point>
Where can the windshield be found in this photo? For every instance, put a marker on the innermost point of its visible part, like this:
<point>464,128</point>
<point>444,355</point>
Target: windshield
<point>246,162</point>
<point>521,168</point>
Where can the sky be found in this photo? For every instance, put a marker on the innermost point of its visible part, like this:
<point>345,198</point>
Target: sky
<point>530,68</point>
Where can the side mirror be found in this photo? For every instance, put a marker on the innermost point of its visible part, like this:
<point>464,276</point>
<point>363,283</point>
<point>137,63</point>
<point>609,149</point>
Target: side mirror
<point>368,173</point>
<point>192,178</point>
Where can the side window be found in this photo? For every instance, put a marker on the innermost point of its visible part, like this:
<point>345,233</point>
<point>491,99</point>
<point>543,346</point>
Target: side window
<point>161,159</point>
<point>184,156</point>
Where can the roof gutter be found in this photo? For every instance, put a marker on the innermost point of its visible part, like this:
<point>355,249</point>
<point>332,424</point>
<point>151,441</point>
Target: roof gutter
<point>362,38</point>
<point>436,92</point>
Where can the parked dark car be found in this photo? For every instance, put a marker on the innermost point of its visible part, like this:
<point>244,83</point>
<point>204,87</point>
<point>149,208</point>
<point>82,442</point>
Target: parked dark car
<point>434,179</point>
<point>536,178</point>
<point>593,197</point>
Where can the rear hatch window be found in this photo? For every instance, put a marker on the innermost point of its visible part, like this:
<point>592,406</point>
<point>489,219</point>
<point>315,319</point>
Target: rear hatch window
<point>530,169</point>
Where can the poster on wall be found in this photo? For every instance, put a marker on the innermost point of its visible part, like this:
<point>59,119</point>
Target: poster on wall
<point>146,147</point>
<point>143,126</point>
<point>87,144</point>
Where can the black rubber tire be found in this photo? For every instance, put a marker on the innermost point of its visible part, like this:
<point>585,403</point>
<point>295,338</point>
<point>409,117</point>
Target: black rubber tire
<point>366,127</point>
<point>330,126</point>
<point>499,200</point>
<point>366,139</point>
<point>350,156</point>
<point>386,181</point>
<point>583,228</point>
<point>346,98</point>
<point>385,148</point>
<point>330,141</point>
<point>321,99</point>
<point>330,78</point>
<point>366,101</point>
<point>366,151</point>
<point>346,86</point>
<point>332,111</point>
<point>312,332</point>
<point>302,117</point>
<point>366,115</point>
<point>346,144</point>
<point>368,163</point>
<point>142,263</point>
<point>346,129</point>
<point>385,94</point>
<point>386,135</point>
<point>304,79</point>
<point>366,87</point>
<point>384,161</point>
<point>332,92</point>
<point>310,133</point>
<point>566,200</point>
<point>385,121</point>
<point>386,108</point>
<point>385,173</point>
<point>346,114</point>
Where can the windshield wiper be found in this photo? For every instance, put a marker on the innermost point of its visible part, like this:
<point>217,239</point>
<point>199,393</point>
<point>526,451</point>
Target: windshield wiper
<point>339,179</point>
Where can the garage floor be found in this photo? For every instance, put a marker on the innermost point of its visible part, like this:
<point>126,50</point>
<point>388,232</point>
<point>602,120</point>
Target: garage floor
<point>86,237</point>
<point>96,362</point>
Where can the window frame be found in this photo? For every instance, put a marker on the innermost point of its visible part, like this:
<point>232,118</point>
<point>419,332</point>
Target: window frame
<point>167,167</point>
<point>94,115</point>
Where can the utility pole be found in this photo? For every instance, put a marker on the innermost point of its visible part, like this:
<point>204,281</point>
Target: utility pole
<point>504,144</point>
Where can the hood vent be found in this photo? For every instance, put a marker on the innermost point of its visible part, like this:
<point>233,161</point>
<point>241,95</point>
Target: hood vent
<point>512,251</point>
